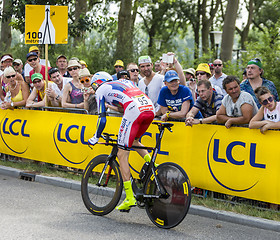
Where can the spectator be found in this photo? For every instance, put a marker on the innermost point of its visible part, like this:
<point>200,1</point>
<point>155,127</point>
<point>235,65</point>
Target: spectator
<point>237,107</point>
<point>211,66</point>
<point>38,94</point>
<point>18,66</point>
<point>55,90</point>
<point>83,64</point>
<point>61,63</point>
<point>73,96</point>
<point>152,82</point>
<point>255,79</point>
<point>123,74</point>
<point>191,81</point>
<point>89,97</point>
<point>244,74</point>
<point>17,92</point>
<point>203,73</point>
<point>7,61</point>
<point>133,70</point>
<point>34,62</point>
<point>219,76</point>
<point>157,66</point>
<point>268,116</point>
<point>28,68</point>
<point>119,66</point>
<point>208,103</point>
<point>189,74</point>
<point>174,99</point>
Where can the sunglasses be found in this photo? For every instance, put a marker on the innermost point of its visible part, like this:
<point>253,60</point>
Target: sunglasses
<point>70,69</point>
<point>53,70</point>
<point>34,82</point>
<point>84,80</point>
<point>268,100</point>
<point>200,73</point>
<point>32,59</point>
<point>134,70</point>
<point>118,67</point>
<point>11,76</point>
<point>15,64</point>
<point>219,64</point>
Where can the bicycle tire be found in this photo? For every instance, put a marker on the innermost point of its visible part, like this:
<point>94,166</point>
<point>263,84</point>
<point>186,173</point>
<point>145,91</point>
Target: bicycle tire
<point>168,213</point>
<point>101,200</point>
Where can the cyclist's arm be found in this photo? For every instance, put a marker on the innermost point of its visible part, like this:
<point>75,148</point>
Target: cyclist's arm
<point>101,122</point>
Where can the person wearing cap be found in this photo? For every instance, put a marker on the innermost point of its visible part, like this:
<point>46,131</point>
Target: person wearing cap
<point>208,103</point>
<point>83,64</point>
<point>133,70</point>
<point>175,100</point>
<point>191,81</point>
<point>89,97</point>
<point>18,66</point>
<point>203,73</point>
<point>238,107</point>
<point>5,60</point>
<point>73,95</point>
<point>219,76</point>
<point>211,68</point>
<point>61,63</point>
<point>254,80</point>
<point>34,61</point>
<point>17,92</point>
<point>55,90</point>
<point>38,94</point>
<point>152,82</point>
<point>119,66</point>
<point>28,68</point>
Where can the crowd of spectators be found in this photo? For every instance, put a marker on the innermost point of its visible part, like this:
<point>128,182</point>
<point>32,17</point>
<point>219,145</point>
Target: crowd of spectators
<point>197,95</point>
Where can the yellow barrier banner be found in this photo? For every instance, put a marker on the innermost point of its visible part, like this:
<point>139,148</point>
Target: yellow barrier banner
<point>237,161</point>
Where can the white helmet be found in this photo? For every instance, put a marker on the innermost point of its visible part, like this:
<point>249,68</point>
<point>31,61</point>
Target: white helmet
<point>99,78</point>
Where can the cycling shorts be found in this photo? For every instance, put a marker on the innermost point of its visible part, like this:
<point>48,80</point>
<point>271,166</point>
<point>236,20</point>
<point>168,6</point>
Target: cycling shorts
<point>134,124</point>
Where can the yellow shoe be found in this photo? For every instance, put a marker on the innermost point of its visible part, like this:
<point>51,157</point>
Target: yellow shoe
<point>126,205</point>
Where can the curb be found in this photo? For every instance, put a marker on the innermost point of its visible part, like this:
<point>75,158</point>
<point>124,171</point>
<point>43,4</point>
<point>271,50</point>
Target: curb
<point>194,209</point>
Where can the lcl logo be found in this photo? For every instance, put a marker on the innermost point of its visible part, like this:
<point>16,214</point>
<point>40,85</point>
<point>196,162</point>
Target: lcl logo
<point>71,135</point>
<point>227,151</point>
<point>15,128</point>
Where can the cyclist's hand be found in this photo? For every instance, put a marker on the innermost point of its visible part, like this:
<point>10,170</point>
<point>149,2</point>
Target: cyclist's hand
<point>92,141</point>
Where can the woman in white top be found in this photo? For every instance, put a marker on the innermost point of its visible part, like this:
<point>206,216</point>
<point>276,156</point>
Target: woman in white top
<point>268,116</point>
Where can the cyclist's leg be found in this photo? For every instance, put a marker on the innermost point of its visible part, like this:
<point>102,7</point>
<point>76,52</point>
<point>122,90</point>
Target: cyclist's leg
<point>124,166</point>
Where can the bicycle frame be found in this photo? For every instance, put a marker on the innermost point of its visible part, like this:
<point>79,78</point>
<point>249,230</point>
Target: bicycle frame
<point>151,167</point>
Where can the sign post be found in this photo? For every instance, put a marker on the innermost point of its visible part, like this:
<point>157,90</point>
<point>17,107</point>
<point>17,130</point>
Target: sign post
<point>45,24</point>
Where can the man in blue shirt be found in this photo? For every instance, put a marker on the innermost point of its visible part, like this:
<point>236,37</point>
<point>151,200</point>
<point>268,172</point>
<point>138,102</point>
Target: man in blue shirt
<point>254,74</point>
<point>174,99</point>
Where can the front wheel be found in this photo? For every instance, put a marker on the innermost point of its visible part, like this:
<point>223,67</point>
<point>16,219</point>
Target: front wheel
<point>101,193</point>
<point>169,212</point>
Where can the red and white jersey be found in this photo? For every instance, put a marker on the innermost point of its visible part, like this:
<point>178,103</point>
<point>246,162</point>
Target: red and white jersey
<point>123,93</point>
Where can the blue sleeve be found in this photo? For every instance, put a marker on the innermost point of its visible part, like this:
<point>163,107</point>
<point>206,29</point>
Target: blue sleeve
<point>101,122</point>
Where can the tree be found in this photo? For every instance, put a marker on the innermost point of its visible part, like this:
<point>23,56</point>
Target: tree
<point>6,35</point>
<point>126,20</point>
<point>229,29</point>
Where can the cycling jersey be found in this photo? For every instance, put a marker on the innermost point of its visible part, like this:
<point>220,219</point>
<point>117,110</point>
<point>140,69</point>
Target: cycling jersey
<point>139,110</point>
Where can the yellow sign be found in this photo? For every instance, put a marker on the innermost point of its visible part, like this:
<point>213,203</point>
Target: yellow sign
<point>45,24</point>
<point>236,161</point>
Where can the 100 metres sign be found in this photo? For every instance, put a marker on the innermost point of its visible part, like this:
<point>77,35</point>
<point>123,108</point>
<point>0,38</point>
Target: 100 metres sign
<point>45,24</point>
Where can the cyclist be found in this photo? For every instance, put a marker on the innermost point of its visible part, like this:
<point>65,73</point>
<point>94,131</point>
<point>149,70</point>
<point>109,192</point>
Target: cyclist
<point>139,112</point>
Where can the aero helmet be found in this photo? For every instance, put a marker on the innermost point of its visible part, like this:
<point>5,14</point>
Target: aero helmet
<point>100,78</point>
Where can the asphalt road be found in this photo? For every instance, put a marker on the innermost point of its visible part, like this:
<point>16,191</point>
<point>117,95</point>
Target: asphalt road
<point>32,210</point>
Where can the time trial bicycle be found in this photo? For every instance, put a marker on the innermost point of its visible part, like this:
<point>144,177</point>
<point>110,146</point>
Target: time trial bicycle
<point>164,191</point>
